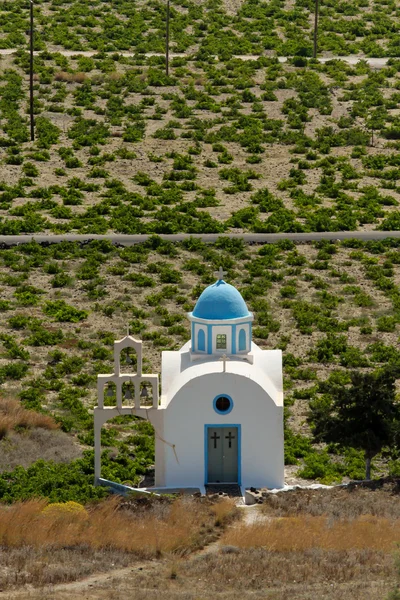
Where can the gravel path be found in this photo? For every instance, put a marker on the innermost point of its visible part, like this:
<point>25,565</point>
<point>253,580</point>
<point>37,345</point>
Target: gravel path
<point>210,238</point>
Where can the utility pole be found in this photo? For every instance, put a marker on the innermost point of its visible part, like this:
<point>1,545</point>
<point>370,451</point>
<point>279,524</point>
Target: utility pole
<point>167,43</point>
<point>316,28</point>
<point>31,73</point>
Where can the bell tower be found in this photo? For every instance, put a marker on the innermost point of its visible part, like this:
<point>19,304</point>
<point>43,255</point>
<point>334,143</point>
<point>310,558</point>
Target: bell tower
<point>115,389</point>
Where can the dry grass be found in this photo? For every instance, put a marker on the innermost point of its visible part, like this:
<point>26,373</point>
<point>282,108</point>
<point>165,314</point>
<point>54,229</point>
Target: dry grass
<point>177,527</point>
<point>251,575</point>
<point>13,415</point>
<point>44,544</point>
<point>224,512</point>
<point>39,567</point>
<point>299,534</point>
<point>378,498</point>
<point>350,558</point>
<point>78,77</point>
<point>310,572</point>
<point>23,448</point>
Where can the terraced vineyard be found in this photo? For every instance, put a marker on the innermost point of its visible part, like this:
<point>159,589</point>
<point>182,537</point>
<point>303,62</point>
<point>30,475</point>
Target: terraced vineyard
<point>213,27</point>
<point>220,144</point>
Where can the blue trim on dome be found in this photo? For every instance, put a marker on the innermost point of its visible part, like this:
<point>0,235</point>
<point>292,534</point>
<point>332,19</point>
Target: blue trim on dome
<point>220,301</point>
<point>233,339</point>
<point>209,339</point>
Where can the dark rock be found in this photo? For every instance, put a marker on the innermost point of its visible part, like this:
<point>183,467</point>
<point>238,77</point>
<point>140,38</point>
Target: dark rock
<point>229,550</point>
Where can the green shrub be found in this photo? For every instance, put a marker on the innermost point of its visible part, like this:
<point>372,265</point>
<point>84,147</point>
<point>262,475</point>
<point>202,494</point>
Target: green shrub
<point>386,324</point>
<point>296,446</point>
<point>28,295</point>
<point>328,348</point>
<point>19,321</point>
<point>30,170</point>
<point>47,133</point>
<point>40,336</point>
<point>140,280</point>
<point>61,280</point>
<point>62,312</point>
<point>56,482</point>
<point>319,465</point>
<point>32,398</point>
<point>4,305</point>
<point>88,132</point>
<point>13,350</point>
<point>14,370</point>
<point>165,134</point>
<point>353,358</point>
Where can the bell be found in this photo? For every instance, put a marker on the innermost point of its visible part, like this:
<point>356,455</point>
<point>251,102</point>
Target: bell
<point>110,392</point>
<point>128,359</point>
<point>128,393</point>
<point>144,393</point>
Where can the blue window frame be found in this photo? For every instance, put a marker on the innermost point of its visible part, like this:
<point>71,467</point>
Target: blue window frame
<point>223,404</point>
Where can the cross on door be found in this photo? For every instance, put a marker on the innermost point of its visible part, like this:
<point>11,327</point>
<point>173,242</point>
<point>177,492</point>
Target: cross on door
<point>215,437</point>
<point>230,437</point>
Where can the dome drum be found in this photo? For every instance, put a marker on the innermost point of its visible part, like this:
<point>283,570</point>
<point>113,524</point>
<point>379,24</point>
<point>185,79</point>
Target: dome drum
<point>221,322</point>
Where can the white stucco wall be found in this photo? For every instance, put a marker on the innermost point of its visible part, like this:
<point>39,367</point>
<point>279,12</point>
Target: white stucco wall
<point>190,407</point>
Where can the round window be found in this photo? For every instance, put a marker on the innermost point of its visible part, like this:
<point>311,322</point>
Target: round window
<point>223,404</point>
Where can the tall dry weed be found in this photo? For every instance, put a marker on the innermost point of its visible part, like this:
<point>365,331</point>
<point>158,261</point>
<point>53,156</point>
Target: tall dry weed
<point>13,415</point>
<point>78,77</point>
<point>164,528</point>
<point>305,533</point>
<point>350,502</point>
<point>224,512</point>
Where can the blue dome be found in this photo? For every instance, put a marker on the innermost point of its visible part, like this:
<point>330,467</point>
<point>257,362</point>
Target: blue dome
<point>220,301</point>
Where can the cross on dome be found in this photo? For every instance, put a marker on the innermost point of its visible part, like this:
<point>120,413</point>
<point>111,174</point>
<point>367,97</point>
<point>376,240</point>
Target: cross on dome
<point>220,274</point>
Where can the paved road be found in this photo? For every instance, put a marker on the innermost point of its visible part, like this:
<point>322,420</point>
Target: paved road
<point>377,63</point>
<point>210,238</point>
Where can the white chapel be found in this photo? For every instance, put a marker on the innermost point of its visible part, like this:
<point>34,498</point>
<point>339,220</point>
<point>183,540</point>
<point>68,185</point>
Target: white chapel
<point>219,418</point>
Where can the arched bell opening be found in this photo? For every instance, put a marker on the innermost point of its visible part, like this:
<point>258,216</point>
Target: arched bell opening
<point>128,360</point>
<point>128,393</point>
<point>110,394</point>
<point>146,393</point>
<point>128,356</point>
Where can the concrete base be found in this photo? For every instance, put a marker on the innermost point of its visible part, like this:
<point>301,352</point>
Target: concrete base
<point>123,490</point>
<point>187,491</point>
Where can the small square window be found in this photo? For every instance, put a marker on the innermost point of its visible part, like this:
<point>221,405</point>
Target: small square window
<point>221,341</point>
